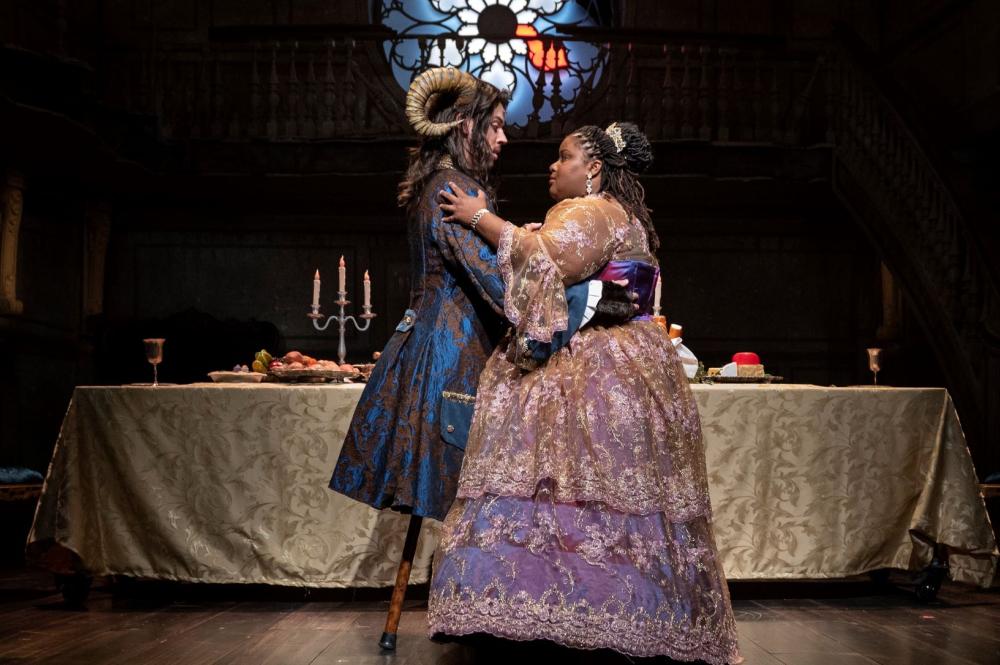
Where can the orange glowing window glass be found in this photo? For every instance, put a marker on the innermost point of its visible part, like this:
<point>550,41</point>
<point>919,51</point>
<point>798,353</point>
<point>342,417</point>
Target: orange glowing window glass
<point>552,60</point>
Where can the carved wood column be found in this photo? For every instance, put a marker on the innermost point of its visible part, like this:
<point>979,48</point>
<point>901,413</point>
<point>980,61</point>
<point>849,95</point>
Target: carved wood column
<point>11,205</point>
<point>97,228</point>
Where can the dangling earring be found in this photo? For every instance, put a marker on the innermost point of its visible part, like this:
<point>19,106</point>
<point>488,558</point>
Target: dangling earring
<point>590,184</point>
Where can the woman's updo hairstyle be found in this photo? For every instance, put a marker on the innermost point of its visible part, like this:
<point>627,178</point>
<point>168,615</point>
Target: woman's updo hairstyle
<point>625,153</point>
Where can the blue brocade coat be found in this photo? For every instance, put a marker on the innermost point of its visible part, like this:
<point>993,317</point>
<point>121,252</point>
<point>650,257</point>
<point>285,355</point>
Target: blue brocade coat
<point>398,453</point>
<point>394,456</point>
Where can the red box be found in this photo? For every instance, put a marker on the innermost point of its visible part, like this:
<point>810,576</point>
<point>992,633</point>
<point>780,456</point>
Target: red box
<point>746,358</point>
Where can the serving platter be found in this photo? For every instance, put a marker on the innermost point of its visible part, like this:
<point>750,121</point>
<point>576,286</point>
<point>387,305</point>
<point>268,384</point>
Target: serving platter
<point>311,375</point>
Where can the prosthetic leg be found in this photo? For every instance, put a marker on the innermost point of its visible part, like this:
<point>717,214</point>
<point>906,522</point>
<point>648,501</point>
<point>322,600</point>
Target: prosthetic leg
<point>388,641</point>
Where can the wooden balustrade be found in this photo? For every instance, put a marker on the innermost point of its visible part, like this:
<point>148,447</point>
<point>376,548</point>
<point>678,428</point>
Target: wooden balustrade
<point>321,90</point>
<point>276,91</point>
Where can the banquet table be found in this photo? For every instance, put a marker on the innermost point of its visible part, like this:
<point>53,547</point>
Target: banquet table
<point>227,483</point>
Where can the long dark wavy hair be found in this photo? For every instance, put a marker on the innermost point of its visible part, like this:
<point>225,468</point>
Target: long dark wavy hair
<point>619,175</point>
<point>475,162</point>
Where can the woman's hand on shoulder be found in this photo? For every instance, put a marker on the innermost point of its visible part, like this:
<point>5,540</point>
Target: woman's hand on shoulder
<point>459,206</point>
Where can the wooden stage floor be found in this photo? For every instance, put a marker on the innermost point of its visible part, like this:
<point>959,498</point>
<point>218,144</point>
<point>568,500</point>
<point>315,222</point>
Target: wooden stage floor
<point>849,622</point>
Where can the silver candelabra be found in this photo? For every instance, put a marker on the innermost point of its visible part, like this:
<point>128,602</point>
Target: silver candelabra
<point>342,320</point>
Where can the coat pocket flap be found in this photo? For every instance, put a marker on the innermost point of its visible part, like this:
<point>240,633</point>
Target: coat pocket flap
<point>456,418</point>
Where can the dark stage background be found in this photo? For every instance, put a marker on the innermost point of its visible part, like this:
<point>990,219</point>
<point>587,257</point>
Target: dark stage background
<point>825,181</point>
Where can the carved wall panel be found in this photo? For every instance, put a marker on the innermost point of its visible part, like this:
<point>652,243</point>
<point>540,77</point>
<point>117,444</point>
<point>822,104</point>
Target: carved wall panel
<point>11,209</point>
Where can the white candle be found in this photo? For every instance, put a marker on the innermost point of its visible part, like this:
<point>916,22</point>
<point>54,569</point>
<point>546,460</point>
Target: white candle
<point>368,290</point>
<point>656,295</point>
<point>316,290</point>
<point>342,276</point>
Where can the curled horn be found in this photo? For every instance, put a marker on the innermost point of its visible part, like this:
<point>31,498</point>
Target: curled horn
<point>424,92</point>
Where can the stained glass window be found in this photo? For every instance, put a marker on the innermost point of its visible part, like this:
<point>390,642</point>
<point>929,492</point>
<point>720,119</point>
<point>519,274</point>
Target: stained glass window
<point>514,44</point>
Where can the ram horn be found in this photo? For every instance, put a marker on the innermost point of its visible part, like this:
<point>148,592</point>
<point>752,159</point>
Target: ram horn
<point>425,90</point>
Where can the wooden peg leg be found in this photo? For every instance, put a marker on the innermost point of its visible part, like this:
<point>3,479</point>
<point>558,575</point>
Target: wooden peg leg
<point>388,641</point>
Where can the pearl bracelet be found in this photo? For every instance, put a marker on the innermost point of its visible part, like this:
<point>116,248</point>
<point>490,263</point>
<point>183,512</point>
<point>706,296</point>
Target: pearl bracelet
<point>478,216</point>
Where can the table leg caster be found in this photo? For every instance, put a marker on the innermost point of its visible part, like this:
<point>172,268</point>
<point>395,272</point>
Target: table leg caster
<point>930,580</point>
<point>75,588</point>
<point>388,641</point>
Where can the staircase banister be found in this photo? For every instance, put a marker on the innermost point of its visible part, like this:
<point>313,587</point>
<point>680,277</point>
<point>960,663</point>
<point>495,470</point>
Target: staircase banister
<point>945,168</point>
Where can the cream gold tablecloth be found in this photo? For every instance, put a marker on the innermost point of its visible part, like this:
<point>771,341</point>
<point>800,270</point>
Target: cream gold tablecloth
<point>229,484</point>
<point>216,483</point>
<point>814,482</point>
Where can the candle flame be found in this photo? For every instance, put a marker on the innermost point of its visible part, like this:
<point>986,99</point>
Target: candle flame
<point>342,264</point>
<point>316,276</point>
<point>366,276</point>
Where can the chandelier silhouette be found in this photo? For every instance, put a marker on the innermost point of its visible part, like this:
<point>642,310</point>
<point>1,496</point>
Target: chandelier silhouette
<point>513,44</point>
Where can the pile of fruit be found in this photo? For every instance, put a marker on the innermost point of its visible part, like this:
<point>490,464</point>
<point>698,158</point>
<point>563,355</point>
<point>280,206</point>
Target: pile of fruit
<point>261,361</point>
<point>264,361</point>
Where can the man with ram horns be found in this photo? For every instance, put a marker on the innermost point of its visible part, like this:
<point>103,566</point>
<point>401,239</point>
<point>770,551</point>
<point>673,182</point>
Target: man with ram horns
<point>405,444</point>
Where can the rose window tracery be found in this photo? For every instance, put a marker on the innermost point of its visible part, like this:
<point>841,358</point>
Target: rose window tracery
<point>521,45</point>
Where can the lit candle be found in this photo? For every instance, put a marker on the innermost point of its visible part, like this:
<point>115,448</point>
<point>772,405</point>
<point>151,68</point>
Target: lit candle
<point>316,290</point>
<point>368,290</point>
<point>342,276</point>
<point>656,296</point>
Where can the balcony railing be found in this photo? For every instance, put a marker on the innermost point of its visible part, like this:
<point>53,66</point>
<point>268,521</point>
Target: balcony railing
<point>310,90</point>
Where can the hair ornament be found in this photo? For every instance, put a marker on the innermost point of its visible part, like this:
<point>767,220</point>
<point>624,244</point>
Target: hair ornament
<point>615,132</point>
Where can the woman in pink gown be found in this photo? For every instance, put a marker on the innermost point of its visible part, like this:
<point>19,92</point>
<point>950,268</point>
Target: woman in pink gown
<point>583,512</point>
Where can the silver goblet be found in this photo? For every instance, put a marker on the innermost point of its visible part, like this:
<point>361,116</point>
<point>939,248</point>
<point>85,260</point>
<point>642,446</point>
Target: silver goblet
<point>874,363</point>
<point>154,354</point>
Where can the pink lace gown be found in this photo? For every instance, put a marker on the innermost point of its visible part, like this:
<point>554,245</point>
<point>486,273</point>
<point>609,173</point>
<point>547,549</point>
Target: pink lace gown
<point>583,513</point>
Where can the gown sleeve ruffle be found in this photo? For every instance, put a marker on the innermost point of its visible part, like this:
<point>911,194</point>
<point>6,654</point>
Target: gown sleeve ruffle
<point>578,237</point>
